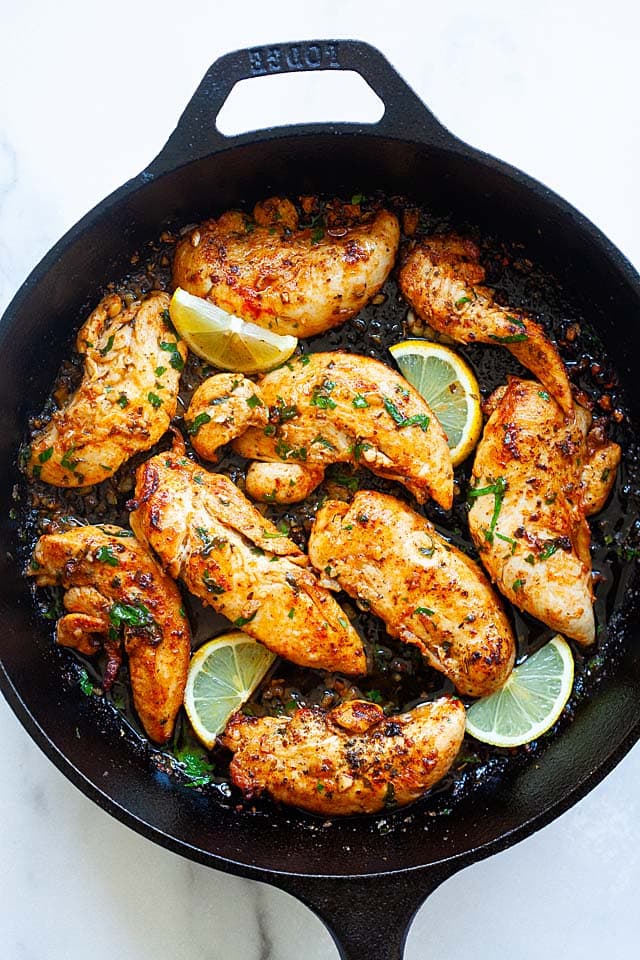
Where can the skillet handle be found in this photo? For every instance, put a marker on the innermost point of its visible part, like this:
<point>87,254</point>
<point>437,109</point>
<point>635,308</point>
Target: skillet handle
<point>368,916</point>
<point>196,135</point>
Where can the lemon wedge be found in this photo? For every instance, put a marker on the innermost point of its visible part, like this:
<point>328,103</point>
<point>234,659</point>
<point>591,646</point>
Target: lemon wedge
<point>530,701</point>
<point>226,341</point>
<point>223,674</point>
<point>449,386</point>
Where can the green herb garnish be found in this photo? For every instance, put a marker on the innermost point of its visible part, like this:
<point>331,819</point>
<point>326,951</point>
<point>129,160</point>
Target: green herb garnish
<point>254,401</point>
<point>359,402</point>
<point>419,419</point>
<point>198,422</point>
<point>154,400</point>
<point>105,555</point>
<point>176,360</point>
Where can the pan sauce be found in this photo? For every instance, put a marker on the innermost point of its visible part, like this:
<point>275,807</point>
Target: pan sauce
<point>399,679</point>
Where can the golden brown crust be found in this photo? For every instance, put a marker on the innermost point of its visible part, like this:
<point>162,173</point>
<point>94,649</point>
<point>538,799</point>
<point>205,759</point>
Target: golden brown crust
<point>537,550</point>
<point>339,407</point>
<point>427,592</point>
<point>127,397</point>
<point>441,278</point>
<point>100,567</point>
<point>351,760</point>
<point>235,560</point>
<point>289,280</point>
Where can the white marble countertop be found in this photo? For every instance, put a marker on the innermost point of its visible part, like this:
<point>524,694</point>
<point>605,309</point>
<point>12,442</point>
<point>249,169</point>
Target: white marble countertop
<point>88,94</point>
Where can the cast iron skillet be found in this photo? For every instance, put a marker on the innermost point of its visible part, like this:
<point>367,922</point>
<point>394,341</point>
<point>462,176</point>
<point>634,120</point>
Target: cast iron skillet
<point>365,884</point>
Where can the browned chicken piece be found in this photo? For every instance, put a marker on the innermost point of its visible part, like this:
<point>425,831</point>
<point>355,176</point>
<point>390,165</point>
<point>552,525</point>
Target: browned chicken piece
<point>337,407</point>
<point>529,500</point>
<point>235,560</point>
<point>598,471</point>
<point>113,588</point>
<point>428,593</point>
<point>126,399</point>
<point>353,759</point>
<point>292,281</point>
<point>282,482</point>
<point>442,280</point>
<point>223,407</point>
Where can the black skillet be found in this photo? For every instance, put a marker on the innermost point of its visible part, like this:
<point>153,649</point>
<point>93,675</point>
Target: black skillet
<point>364,883</point>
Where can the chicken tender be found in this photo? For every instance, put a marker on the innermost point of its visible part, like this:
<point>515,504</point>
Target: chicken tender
<point>532,485</point>
<point>427,592</point>
<point>235,560</point>
<point>127,397</point>
<point>353,759</point>
<point>113,587</point>
<point>441,278</point>
<point>268,271</point>
<point>336,407</point>
<point>223,407</point>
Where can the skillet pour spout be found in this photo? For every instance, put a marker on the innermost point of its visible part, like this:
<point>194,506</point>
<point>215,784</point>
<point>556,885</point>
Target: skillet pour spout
<point>365,883</point>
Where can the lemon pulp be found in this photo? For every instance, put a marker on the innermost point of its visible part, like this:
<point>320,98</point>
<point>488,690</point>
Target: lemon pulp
<point>449,386</point>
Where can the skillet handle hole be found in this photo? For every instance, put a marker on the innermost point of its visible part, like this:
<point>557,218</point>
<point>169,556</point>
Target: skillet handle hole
<point>282,99</point>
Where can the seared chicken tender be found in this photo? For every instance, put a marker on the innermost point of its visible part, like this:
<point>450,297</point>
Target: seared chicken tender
<point>223,407</point>
<point>441,278</point>
<point>337,407</point>
<point>428,593</point>
<point>127,397</point>
<point>353,759</point>
<point>113,587</point>
<point>268,271</point>
<point>533,482</point>
<point>235,560</point>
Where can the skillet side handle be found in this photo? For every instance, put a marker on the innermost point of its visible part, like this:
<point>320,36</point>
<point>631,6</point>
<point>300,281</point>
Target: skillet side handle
<point>368,916</point>
<point>196,135</point>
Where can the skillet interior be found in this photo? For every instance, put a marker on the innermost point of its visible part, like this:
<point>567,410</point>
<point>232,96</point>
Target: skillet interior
<point>34,337</point>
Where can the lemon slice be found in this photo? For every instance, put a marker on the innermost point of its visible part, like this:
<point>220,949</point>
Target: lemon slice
<point>530,701</point>
<point>225,341</point>
<point>450,388</point>
<point>223,674</point>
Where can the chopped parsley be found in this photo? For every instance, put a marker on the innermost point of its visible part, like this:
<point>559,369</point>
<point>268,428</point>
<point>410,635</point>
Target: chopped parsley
<point>159,371</point>
<point>419,419</point>
<point>323,442</point>
<point>282,412</point>
<point>544,395</point>
<point>66,460</point>
<point>107,347</point>
<point>359,402</point>
<point>254,401</point>
<point>154,400</point>
<point>210,543</point>
<point>45,455</point>
<point>105,555</point>
<point>130,615</point>
<point>175,360</point>
<point>196,766</point>
<point>198,422</point>
<point>212,585</point>
<point>512,337</point>
<point>343,623</point>
<point>513,543</point>
<point>243,621</point>
<point>269,430</point>
<point>357,199</point>
<point>85,683</point>
<point>321,396</point>
<point>498,488</point>
<point>123,400</point>
<point>374,695</point>
<point>359,448</point>
<point>304,359</point>
<point>517,584</point>
<point>462,301</point>
<point>548,551</point>
<point>425,611</point>
<point>291,613</point>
